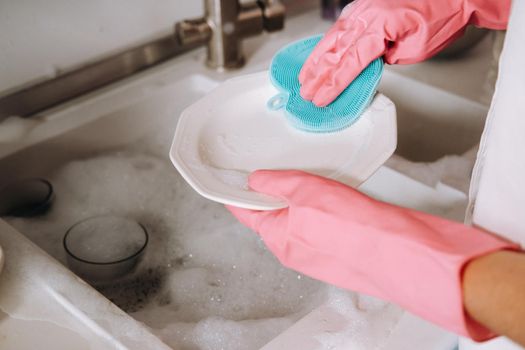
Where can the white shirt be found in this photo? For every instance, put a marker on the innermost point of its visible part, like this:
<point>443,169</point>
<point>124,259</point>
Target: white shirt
<point>497,191</point>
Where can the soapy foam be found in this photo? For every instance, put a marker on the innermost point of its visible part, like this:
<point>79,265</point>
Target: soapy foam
<point>205,282</point>
<point>201,267</point>
<point>370,322</point>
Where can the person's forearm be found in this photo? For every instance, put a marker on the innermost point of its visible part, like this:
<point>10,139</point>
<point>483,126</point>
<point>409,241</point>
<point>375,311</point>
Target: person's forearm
<point>494,293</point>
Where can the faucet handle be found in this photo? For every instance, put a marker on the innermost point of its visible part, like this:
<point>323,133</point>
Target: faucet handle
<point>273,14</point>
<point>192,31</point>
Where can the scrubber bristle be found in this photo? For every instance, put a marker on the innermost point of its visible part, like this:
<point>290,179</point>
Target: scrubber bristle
<point>304,115</point>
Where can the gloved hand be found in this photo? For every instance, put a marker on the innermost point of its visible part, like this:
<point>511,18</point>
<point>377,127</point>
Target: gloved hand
<point>334,233</point>
<point>403,31</point>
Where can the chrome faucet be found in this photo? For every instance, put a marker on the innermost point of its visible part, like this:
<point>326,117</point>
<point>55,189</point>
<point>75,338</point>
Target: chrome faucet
<point>225,24</point>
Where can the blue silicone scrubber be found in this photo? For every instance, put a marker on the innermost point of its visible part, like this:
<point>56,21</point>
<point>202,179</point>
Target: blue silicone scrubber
<point>304,115</point>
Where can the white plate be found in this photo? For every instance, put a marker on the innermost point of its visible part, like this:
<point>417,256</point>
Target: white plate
<point>230,132</point>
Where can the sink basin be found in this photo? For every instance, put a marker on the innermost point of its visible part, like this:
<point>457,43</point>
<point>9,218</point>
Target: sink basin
<point>102,134</point>
<point>117,163</point>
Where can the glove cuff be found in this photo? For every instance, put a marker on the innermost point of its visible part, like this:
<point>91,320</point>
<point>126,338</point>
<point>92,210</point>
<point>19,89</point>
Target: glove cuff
<point>444,304</point>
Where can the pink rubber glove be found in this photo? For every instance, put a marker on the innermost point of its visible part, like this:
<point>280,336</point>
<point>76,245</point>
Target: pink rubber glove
<point>403,31</point>
<point>334,233</point>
